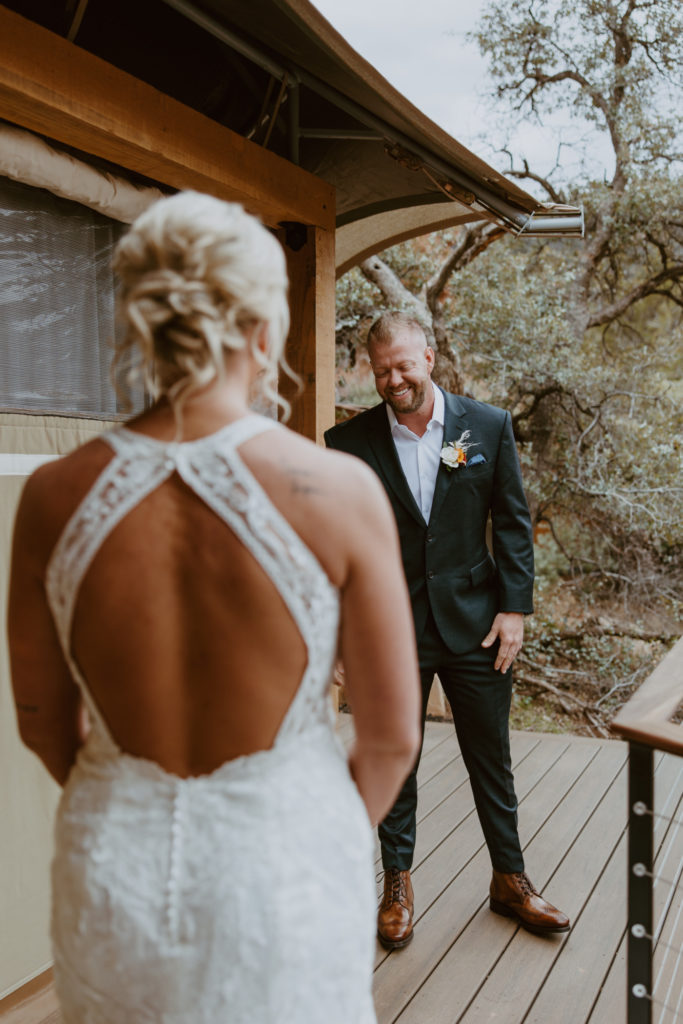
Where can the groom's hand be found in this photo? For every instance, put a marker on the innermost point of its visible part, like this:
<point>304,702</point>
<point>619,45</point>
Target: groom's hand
<point>508,628</point>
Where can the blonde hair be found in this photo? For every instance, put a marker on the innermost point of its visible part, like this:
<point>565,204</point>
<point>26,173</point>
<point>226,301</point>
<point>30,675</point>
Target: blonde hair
<point>196,274</point>
<point>385,326</point>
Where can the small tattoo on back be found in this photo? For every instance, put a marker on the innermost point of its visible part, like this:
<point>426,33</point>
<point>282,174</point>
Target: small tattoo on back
<point>302,481</point>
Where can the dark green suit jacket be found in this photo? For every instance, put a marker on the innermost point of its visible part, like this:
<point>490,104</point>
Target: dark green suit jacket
<point>446,561</point>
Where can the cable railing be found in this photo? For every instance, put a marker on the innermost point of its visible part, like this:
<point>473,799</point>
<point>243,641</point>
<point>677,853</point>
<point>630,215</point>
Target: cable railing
<point>655,846</point>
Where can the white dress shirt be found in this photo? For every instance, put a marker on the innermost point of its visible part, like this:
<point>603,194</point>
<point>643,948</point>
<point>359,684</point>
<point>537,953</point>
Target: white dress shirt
<point>420,456</point>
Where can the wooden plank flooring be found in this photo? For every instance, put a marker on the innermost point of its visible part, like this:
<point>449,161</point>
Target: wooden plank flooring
<point>467,965</point>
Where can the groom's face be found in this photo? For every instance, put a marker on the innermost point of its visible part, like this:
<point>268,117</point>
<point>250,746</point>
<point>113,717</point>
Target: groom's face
<point>402,369</point>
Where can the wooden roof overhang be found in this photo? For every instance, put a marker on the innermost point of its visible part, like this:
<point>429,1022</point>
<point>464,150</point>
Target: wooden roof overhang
<point>276,72</point>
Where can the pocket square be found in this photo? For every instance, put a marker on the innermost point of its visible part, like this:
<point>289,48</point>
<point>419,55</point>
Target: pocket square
<point>476,460</point>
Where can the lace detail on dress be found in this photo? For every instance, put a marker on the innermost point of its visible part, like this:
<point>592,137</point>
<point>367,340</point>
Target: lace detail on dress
<point>121,486</point>
<point>227,486</point>
<point>213,469</point>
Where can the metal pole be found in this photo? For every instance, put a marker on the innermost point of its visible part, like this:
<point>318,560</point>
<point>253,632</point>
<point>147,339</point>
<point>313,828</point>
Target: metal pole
<point>640,870</point>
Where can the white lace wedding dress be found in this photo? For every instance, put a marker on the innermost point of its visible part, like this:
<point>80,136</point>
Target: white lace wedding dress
<point>244,896</point>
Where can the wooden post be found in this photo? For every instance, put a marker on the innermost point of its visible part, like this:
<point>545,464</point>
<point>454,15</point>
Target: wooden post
<point>310,346</point>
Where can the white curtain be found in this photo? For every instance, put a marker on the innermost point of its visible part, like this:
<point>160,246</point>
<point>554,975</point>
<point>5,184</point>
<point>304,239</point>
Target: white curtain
<point>56,306</point>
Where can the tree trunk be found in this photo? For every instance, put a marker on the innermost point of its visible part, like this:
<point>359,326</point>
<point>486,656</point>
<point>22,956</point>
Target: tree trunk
<point>447,369</point>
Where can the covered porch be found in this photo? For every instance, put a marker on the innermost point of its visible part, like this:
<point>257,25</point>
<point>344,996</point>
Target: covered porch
<point>470,966</point>
<point>261,103</point>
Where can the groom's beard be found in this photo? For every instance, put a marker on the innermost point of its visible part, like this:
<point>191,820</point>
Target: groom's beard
<point>410,402</point>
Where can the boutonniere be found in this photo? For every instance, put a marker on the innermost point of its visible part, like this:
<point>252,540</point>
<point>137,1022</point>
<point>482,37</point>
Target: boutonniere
<point>454,453</point>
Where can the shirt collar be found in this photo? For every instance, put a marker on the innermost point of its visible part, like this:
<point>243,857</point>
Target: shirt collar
<point>438,412</point>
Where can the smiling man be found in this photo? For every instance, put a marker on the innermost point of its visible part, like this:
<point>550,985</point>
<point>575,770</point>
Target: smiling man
<point>448,463</point>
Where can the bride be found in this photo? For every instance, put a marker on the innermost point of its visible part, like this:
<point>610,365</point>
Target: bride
<point>180,590</point>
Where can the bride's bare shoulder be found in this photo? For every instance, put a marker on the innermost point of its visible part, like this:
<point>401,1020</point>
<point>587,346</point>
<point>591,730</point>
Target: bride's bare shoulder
<point>333,500</point>
<point>55,489</point>
<point>73,471</point>
<point>318,472</point>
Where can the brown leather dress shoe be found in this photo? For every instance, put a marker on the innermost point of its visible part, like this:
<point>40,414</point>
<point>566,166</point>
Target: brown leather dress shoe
<point>395,917</point>
<point>514,896</point>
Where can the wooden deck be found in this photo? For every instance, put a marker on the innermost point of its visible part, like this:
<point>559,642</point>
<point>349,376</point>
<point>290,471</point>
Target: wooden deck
<point>469,965</point>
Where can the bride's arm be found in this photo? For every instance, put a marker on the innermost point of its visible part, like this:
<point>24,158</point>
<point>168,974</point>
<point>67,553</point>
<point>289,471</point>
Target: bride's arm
<point>378,650</point>
<point>49,712</point>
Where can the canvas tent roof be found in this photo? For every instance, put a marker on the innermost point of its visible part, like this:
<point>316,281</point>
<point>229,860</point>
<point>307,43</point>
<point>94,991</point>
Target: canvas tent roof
<point>277,72</point>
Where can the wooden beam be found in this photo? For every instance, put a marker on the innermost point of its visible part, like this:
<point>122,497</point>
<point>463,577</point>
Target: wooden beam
<point>310,347</point>
<point>32,1003</point>
<point>51,86</point>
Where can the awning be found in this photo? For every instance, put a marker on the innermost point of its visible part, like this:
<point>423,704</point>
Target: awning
<point>277,72</point>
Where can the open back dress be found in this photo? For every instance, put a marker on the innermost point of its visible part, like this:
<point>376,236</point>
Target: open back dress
<point>243,896</point>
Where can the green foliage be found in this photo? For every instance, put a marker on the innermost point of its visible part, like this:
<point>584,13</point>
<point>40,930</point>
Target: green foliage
<point>599,422</point>
<point>356,299</point>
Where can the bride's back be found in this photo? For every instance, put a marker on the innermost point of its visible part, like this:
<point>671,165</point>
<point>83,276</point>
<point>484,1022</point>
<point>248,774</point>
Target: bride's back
<point>184,640</point>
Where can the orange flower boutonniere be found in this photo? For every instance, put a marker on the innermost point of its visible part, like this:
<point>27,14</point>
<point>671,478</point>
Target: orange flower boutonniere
<point>454,453</point>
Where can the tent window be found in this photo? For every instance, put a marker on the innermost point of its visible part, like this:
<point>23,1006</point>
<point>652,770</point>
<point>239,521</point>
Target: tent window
<point>57,307</point>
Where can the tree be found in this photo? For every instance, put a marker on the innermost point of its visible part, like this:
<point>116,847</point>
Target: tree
<point>619,64</point>
<point>582,340</point>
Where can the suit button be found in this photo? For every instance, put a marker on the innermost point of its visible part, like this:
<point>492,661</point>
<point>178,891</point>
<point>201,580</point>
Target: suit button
<point>430,537</point>
<point>430,575</point>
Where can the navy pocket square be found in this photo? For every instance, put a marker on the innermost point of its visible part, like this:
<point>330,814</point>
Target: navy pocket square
<point>476,460</point>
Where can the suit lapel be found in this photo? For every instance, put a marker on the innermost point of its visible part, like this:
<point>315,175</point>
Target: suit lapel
<point>382,444</point>
<point>454,424</point>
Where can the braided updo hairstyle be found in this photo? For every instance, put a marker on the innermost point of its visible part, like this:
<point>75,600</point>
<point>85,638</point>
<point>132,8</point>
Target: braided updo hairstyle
<point>196,273</point>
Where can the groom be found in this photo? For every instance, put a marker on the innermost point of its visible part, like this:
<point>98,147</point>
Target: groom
<point>447,463</point>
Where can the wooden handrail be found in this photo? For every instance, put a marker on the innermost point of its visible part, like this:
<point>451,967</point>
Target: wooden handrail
<point>645,718</point>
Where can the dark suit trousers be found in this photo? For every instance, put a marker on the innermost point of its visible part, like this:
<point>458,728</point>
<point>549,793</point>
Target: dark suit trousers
<point>480,701</point>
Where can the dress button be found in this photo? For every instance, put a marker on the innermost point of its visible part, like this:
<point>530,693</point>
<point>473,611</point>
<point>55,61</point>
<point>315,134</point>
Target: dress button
<point>169,463</point>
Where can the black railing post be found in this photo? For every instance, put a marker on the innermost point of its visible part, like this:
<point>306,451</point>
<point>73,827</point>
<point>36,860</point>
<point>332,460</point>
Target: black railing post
<point>640,865</point>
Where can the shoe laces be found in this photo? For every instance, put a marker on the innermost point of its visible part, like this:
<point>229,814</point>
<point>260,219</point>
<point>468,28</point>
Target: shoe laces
<point>524,882</point>
<point>395,891</point>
